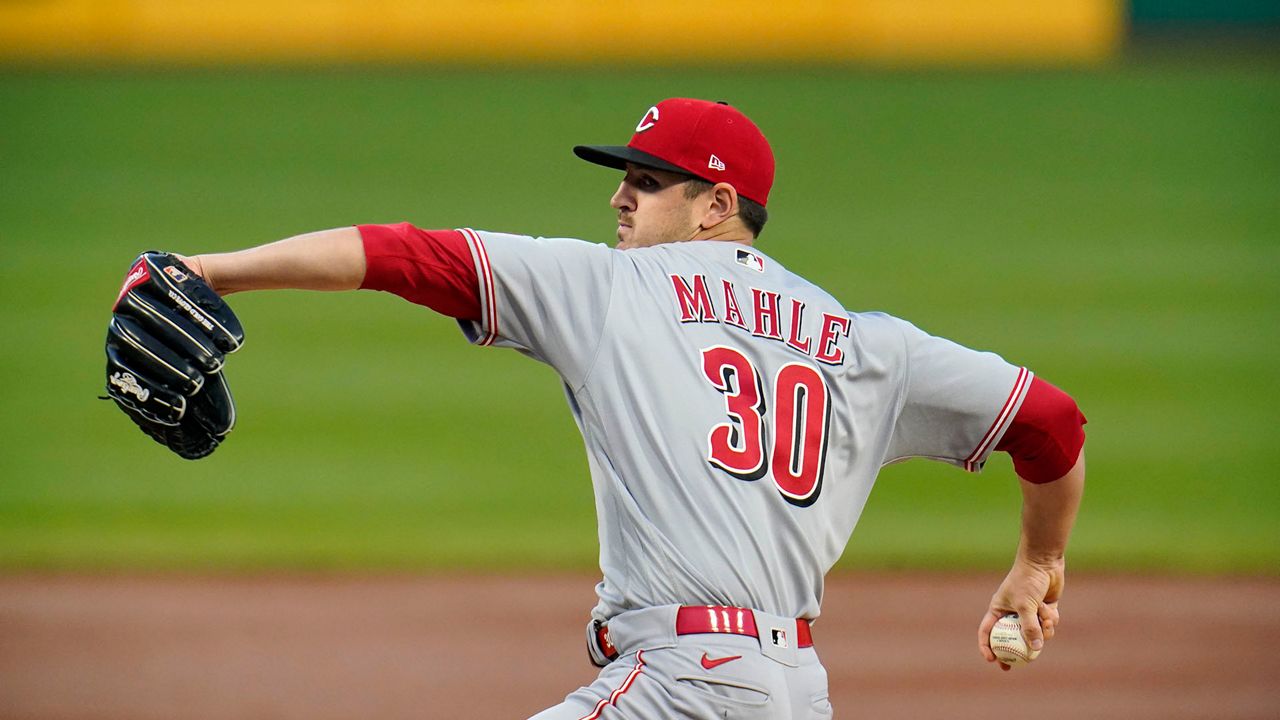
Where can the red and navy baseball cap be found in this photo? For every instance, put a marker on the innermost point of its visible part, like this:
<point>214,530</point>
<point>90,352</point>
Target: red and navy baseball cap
<point>708,140</point>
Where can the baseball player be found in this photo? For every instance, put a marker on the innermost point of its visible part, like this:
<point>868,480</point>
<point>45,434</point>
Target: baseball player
<point>735,415</point>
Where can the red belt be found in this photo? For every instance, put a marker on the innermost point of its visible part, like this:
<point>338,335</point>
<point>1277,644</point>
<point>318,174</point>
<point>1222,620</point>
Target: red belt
<point>699,619</point>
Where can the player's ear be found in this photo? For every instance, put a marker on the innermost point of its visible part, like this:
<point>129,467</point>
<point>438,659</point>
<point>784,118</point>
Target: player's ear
<point>723,205</point>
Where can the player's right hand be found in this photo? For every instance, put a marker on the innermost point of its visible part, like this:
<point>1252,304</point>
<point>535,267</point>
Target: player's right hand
<point>1032,590</point>
<point>168,337</point>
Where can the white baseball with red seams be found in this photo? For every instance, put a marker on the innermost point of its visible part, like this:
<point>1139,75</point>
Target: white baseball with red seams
<point>1008,644</point>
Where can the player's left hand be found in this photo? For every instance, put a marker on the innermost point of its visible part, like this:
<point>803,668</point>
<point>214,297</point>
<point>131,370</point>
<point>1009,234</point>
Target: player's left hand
<point>1032,590</point>
<point>168,337</point>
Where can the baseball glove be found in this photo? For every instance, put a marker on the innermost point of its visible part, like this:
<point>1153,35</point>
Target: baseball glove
<point>168,336</point>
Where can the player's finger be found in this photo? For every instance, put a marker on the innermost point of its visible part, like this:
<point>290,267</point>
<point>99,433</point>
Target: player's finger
<point>984,633</point>
<point>1031,630</point>
<point>131,346</point>
<point>175,331</point>
<point>1049,619</point>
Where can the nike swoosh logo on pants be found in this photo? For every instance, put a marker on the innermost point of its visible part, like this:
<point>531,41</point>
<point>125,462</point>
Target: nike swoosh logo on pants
<point>710,663</point>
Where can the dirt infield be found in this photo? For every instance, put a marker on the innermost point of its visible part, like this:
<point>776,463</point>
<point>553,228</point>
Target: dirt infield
<point>896,646</point>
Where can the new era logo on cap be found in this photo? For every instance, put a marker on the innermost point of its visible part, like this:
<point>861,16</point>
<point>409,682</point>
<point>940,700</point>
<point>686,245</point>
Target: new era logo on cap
<point>709,140</point>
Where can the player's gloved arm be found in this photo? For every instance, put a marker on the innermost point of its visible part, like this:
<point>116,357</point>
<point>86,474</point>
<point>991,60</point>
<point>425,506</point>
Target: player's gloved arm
<point>1046,442</point>
<point>325,260</point>
<point>170,330</point>
<point>433,268</point>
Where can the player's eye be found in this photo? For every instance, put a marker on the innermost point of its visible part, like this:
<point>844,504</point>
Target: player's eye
<point>647,182</point>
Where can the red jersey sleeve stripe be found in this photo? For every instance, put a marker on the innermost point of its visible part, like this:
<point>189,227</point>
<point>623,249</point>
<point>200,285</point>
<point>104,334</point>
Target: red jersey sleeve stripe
<point>1002,418</point>
<point>488,300</point>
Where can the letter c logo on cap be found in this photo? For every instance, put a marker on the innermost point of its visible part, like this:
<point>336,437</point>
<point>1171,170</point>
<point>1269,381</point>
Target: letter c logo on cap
<point>649,120</point>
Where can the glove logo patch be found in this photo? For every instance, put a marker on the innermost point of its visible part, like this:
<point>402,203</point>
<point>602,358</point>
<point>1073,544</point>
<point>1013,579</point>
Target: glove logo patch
<point>138,274</point>
<point>128,385</point>
<point>173,272</point>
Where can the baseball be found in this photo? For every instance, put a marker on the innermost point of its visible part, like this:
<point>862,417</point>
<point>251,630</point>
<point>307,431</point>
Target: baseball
<point>1007,642</point>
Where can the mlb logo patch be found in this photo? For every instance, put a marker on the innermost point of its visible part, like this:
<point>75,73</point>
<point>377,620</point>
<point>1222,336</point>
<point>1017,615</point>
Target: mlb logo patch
<point>779,637</point>
<point>751,260</point>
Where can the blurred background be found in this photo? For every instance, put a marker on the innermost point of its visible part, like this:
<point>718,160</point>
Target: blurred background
<point>1090,188</point>
<point>1087,187</point>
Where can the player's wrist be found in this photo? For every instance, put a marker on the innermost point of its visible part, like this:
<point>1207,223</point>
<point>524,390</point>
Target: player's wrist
<point>197,265</point>
<point>1041,558</point>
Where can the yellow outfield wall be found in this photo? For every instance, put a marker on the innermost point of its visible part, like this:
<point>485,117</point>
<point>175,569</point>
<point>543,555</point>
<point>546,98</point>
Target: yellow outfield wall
<point>559,31</point>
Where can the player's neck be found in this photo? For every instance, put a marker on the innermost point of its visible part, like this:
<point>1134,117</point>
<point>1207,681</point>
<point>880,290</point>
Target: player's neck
<point>731,230</point>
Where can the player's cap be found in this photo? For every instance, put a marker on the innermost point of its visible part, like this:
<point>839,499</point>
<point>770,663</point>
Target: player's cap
<point>712,141</point>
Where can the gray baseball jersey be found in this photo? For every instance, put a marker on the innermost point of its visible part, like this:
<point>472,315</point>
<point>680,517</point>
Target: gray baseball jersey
<point>735,415</point>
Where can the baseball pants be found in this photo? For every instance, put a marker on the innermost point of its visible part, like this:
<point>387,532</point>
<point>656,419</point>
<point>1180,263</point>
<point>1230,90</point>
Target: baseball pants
<point>660,674</point>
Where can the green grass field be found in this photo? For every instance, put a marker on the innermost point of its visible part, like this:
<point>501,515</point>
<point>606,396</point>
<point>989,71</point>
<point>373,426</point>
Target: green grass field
<point>1117,230</point>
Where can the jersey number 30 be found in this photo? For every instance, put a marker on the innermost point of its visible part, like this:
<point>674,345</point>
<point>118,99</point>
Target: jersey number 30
<point>800,420</point>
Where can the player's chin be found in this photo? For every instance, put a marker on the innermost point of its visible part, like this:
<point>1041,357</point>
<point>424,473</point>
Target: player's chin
<point>624,237</point>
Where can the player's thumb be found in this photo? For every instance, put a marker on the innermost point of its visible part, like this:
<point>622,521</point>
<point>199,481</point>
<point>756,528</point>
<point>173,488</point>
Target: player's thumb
<point>1031,630</point>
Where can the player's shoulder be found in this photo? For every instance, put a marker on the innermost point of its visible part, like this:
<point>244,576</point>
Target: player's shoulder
<point>714,251</point>
<point>746,263</point>
<point>533,241</point>
<point>536,250</point>
<point>892,335</point>
<point>880,322</point>
<point>881,329</point>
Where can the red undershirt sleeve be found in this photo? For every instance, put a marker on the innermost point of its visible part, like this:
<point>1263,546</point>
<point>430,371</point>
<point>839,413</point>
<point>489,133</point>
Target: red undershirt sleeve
<point>1046,435</point>
<point>427,267</point>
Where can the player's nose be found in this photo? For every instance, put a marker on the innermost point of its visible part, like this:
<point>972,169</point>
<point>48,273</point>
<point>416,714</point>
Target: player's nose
<point>623,199</point>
